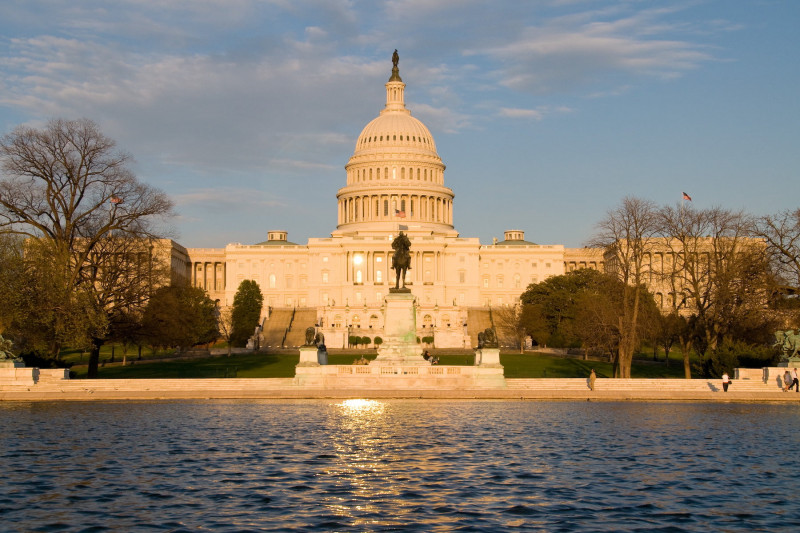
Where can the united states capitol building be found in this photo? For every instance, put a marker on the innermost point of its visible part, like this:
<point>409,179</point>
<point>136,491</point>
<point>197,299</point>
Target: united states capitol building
<point>394,181</point>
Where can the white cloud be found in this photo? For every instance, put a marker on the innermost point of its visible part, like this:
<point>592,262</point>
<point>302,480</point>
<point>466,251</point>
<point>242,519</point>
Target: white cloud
<point>585,48</point>
<point>227,197</point>
<point>520,113</point>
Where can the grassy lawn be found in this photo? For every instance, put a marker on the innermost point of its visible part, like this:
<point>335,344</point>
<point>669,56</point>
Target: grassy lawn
<point>517,365</point>
<point>261,365</point>
<point>78,357</point>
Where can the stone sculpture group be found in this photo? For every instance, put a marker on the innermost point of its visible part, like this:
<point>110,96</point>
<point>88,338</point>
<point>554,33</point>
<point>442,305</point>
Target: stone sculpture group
<point>789,343</point>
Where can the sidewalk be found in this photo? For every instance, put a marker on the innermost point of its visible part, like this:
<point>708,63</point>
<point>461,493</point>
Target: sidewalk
<point>284,388</point>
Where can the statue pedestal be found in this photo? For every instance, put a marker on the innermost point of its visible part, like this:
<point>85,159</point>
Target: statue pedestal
<point>400,333</point>
<point>488,370</point>
<point>308,356</point>
<point>488,357</point>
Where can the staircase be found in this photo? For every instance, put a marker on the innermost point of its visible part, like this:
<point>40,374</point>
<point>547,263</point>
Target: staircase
<point>478,319</point>
<point>275,327</point>
<point>304,318</point>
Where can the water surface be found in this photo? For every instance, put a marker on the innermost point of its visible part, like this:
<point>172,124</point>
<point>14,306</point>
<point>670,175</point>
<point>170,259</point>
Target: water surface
<point>398,465</point>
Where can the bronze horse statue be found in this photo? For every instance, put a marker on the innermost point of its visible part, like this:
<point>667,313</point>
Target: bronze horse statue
<point>401,260</point>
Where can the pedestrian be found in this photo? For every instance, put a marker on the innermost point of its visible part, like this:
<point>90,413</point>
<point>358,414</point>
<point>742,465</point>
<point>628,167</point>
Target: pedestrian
<point>787,380</point>
<point>322,354</point>
<point>795,383</point>
<point>725,382</point>
<point>592,378</point>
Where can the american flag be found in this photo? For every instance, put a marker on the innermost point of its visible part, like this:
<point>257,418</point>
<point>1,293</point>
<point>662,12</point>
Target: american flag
<point>687,197</point>
<point>398,213</point>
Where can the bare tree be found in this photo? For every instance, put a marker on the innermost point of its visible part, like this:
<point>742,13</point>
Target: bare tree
<point>628,233</point>
<point>781,232</point>
<point>225,324</point>
<point>511,325</point>
<point>715,272</point>
<point>68,188</point>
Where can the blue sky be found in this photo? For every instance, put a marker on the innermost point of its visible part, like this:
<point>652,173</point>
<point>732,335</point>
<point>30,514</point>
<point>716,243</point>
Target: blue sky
<point>546,112</point>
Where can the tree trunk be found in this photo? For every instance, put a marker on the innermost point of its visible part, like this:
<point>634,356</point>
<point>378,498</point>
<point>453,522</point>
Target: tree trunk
<point>687,367</point>
<point>94,358</point>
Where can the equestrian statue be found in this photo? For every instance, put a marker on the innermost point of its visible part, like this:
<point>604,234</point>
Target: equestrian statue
<point>401,260</point>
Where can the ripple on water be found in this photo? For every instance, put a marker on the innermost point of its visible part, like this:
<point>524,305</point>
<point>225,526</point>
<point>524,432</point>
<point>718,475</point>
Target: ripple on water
<point>396,465</point>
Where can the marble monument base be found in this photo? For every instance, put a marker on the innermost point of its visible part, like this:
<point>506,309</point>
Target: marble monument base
<point>308,356</point>
<point>400,346</point>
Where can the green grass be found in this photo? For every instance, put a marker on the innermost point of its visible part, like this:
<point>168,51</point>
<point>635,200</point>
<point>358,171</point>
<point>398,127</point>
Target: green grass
<point>78,357</point>
<point>535,365</point>
<point>251,365</point>
<point>260,365</point>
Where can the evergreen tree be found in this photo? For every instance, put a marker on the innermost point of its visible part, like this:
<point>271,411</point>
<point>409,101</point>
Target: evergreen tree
<point>247,304</point>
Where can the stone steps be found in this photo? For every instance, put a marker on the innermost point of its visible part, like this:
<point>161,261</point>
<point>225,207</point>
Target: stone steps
<point>303,319</point>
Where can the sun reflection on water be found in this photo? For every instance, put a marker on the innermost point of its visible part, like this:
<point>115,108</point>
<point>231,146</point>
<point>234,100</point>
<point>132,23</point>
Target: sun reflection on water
<point>362,407</point>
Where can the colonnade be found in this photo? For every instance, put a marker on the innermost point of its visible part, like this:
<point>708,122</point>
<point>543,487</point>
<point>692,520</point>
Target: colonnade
<point>209,275</point>
<point>391,207</point>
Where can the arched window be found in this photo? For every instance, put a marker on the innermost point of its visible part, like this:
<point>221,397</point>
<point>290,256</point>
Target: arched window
<point>272,281</point>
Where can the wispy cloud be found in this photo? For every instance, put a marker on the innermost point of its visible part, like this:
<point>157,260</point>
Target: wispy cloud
<point>593,47</point>
<point>227,198</point>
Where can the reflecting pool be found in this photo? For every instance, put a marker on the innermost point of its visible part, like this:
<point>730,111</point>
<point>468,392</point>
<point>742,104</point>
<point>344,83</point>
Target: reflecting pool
<point>398,465</point>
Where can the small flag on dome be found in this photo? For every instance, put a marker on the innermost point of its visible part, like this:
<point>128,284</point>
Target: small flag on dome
<point>398,213</point>
<point>687,197</point>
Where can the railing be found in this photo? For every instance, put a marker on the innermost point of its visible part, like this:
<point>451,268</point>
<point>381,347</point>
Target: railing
<point>387,370</point>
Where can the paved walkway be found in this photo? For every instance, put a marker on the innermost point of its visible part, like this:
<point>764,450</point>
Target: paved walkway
<point>518,389</point>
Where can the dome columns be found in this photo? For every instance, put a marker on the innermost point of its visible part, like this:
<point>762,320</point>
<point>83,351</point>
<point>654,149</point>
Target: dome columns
<point>382,207</point>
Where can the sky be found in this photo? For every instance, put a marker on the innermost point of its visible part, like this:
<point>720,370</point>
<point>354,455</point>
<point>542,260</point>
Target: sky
<point>547,113</point>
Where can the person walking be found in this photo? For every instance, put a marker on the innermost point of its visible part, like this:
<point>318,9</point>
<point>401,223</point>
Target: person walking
<point>592,378</point>
<point>725,382</point>
<point>787,380</point>
<point>795,383</point>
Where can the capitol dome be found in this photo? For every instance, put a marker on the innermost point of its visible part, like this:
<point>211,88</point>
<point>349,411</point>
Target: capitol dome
<point>395,176</point>
<point>395,130</point>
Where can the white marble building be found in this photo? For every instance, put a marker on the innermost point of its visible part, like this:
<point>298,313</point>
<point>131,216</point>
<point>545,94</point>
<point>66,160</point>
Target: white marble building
<point>395,180</point>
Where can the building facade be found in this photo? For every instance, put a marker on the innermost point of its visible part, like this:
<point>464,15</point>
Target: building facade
<point>394,181</point>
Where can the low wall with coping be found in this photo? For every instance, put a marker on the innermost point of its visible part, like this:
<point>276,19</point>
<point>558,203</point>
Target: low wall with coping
<point>387,381</point>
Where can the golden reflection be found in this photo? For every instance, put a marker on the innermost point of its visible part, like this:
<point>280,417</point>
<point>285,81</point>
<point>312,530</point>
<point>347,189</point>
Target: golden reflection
<point>361,407</point>
<point>367,464</point>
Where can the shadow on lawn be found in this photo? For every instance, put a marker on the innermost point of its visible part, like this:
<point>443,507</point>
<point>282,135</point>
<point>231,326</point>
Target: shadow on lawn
<point>251,365</point>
